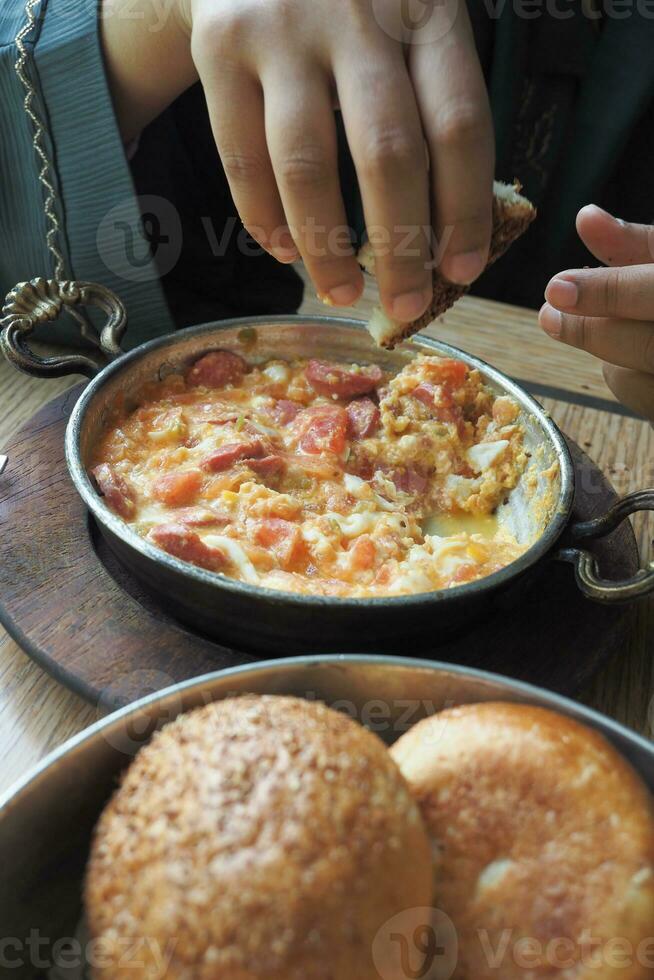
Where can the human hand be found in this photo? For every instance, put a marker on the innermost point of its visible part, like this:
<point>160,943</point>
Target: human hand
<point>273,70</point>
<point>609,312</point>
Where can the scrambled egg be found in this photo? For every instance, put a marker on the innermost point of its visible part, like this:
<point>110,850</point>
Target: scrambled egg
<point>319,478</point>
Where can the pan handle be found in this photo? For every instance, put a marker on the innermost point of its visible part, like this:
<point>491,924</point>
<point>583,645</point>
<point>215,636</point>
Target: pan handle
<point>41,300</point>
<point>585,564</point>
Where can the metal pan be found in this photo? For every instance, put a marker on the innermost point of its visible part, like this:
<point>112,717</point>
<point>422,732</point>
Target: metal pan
<point>538,510</point>
<point>47,819</point>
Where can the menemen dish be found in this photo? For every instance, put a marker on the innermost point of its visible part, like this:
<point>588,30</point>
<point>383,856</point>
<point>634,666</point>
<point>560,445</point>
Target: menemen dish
<point>319,478</point>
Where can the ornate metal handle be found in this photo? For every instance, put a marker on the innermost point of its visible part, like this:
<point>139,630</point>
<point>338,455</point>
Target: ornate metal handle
<point>587,572</point>
<point>41,300</point>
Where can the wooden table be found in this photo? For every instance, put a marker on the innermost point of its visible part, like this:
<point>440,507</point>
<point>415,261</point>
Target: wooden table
<point>36,714</point>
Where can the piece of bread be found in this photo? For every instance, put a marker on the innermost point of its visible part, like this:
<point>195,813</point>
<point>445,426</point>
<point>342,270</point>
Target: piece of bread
<point>512,215</point>
<point>542,835</point>
<point>257,837</point>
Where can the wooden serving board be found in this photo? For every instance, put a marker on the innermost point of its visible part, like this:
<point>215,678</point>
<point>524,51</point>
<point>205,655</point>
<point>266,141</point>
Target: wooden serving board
<point>75,610</point>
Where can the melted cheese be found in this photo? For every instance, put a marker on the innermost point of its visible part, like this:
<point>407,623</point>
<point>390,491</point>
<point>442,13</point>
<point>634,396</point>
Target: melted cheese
<point>363,491</point>
<point>236,555</point>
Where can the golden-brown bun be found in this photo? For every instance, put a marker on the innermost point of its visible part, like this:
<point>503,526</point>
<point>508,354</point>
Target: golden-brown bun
<point>257,837</point>
<point>543,842</point>
<point>512,215</point>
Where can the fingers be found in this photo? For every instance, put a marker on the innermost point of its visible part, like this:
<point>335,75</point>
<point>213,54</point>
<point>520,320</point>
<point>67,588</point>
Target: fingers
<point>623,292</point>
<point>610,312</point>
<point>615,242</point>
<point>387,144</point>
<point>301,135</point>
<point>635,389</point>
<point>627,343</point>
<point>456,118</point>
<point>236,111</point>
<point>279,149</point>
<point>626,347</point>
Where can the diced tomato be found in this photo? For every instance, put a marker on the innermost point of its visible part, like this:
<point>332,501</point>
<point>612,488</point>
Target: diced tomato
<point>267,465</point>
<point>409,480</point>
<point>180,542</point>
<point>342,381</point>
<point>446,369</point>
<point>363,418</point>
<point>281,537</point>
<point>383,576</point>
<point>322,428</point>
<point>216,369</point>
<point>221,459</point>
<point>363,553</point>
<point>286,410</point>
<point>177,489</point>
<point>115,490</point>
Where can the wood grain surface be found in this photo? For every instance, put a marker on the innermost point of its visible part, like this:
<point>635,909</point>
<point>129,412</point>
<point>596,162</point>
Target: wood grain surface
<point>37,714</point>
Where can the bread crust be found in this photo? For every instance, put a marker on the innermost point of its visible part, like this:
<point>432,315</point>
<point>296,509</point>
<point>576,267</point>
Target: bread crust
<point>540,830</point>
<point>255,837</point>
<point>512,215</point>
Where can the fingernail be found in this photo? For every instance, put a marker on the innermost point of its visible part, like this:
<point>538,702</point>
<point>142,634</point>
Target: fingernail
<point>345,295</point>
<point>562,292</point>
<point>258,234</point>
<point>409,306</point>
<point>550,320</point>
<point>463,268</point>
<point>285,257</point>
<point>607,214</point>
